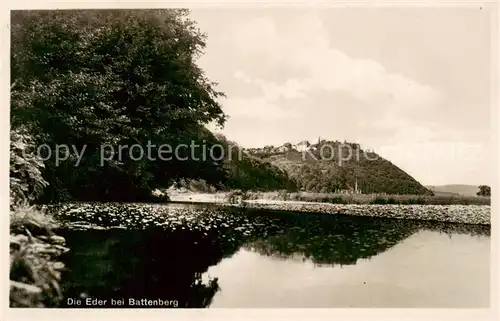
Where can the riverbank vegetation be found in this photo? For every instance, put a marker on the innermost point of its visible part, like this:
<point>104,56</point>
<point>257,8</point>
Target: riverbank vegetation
<point>35,271</point>
<point>370,198</point>
<point>206,195</point>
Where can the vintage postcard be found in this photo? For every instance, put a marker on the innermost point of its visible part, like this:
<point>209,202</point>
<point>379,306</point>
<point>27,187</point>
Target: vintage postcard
<point>223,156</point>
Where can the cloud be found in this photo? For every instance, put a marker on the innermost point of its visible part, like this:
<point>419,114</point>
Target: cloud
<point>292,88</point>
<point>306,48</point>
<point>326,82</point>
<point>258,107</point>
<point>317,67</point>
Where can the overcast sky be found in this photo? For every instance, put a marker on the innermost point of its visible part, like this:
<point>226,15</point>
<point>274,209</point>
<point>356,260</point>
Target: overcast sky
<point>414,83</point>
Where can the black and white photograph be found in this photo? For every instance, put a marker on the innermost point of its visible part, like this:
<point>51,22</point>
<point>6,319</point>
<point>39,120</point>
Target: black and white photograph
<point>252,157</point>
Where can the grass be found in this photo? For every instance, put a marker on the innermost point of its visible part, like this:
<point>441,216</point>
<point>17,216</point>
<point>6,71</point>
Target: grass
<point>369,198</point>
<point>28,216</point>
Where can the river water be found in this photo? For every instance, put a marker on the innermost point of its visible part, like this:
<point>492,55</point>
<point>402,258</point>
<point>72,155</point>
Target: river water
<point>206,256</point>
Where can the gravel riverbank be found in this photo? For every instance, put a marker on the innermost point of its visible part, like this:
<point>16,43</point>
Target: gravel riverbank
<point>465,214</point>
<point>455,213</point>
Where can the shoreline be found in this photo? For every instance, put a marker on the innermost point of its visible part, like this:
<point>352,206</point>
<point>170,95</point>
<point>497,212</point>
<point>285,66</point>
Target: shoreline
<point>456,213</point>
<point>323,198</point>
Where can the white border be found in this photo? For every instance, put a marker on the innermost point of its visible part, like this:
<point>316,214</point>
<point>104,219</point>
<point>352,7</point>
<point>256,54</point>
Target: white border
<point>220,314</point>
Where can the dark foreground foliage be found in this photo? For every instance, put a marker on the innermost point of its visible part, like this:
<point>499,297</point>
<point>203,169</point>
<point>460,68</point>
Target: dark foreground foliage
<point>35,271</point>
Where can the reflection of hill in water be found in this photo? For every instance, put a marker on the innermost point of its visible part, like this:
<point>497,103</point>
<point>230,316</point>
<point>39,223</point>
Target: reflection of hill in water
<point>344,240</point>
<point>331,248</point>
<point>167,259</point>
<point>334,240</point>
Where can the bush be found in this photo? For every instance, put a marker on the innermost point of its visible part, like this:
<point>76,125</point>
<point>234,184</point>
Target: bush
<point>26,181</point>
<point>337,200</point>
<point>237,197</point>
<point>283,195</point>
<point>24,217</point>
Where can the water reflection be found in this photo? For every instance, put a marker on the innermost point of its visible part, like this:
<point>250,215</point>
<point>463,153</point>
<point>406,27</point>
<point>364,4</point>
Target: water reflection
<point>343,240</point>
<point>170,259</point>
<point>141,265</point>
<point>324,240</point>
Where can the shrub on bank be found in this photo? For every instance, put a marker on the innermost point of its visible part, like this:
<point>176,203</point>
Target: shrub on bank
<point>26,181</point>
<point>237,197</point>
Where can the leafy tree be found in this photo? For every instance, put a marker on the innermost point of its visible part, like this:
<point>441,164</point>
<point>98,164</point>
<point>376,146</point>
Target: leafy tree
<point>88,78</point>
<point>484,190</point>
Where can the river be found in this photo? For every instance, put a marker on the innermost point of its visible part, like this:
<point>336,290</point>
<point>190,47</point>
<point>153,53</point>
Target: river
<point>202,256</point>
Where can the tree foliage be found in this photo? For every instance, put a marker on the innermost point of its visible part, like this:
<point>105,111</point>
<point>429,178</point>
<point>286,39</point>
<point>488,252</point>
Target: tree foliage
<point>484,190</point>
<point>87,78</point>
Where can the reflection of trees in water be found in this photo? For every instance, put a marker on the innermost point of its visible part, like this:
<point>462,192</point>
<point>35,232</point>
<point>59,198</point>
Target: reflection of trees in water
<point>134,264</point>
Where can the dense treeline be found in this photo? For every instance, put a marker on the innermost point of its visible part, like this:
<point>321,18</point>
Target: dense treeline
<point>87,78</point>
<point>247,172</point>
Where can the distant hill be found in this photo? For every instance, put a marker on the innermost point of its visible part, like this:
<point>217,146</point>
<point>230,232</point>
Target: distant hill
<point>316,168</point>
<point>311,167</point>
<point>456,189</point>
